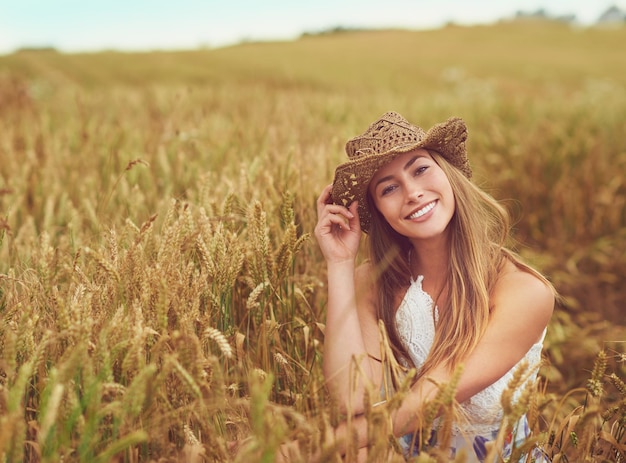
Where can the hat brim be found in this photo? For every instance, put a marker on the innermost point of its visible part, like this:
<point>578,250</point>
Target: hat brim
<point>353,177</point>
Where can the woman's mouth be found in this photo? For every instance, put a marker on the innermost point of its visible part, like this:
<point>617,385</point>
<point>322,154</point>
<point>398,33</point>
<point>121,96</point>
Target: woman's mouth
<point>424,210</point>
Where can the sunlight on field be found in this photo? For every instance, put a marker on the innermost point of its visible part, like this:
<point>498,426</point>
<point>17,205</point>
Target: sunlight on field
<point>161,296</point>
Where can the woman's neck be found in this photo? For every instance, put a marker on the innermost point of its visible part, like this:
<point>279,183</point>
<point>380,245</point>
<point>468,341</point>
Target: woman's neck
<point>430,259</point>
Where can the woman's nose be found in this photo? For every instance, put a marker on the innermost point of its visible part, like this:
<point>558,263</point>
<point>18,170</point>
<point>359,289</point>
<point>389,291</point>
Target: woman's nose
<point>413,192</point>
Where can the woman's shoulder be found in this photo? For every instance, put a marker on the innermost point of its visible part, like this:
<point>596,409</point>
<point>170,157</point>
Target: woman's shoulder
<point>517,288</point>
<point>521,307</point>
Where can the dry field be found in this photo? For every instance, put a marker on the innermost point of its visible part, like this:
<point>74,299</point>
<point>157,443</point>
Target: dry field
<point>161,296</point>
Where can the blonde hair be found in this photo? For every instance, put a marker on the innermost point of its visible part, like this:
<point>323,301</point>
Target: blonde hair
<point>479,233</point>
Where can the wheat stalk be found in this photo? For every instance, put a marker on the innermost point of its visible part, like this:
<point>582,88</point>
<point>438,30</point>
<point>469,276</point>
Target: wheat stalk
<point>220,340</point>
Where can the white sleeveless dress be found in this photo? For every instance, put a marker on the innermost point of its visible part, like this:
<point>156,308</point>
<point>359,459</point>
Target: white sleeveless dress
<point>415,320</point>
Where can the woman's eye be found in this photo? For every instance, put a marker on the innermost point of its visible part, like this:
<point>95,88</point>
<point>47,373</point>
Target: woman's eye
<point>387,190</point>
<point>421,170</point>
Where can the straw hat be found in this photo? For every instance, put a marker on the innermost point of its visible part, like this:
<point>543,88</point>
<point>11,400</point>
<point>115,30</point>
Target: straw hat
<point>389,136</point>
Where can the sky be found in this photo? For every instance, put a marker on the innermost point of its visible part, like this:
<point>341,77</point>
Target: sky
<point>132,25</point>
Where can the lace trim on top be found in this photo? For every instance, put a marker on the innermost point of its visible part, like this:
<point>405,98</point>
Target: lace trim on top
<point>415,321</point>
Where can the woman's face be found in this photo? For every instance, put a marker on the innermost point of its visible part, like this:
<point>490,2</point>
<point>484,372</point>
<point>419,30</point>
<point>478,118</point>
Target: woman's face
<point>414,195</point>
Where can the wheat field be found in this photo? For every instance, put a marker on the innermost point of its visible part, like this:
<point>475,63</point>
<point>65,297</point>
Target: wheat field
<point>161,295</point>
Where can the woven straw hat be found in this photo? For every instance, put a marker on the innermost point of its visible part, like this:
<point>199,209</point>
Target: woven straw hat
<point>389,136</point>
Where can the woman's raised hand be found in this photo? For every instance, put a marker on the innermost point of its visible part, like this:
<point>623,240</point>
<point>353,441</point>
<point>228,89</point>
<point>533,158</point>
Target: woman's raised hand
<point>338,230</point>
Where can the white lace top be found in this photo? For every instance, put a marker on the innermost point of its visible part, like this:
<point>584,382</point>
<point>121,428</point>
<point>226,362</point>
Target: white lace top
<point>415,320</point>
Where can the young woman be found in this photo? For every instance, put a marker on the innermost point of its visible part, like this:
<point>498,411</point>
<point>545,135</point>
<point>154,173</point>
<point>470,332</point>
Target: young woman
<point>438,275</point>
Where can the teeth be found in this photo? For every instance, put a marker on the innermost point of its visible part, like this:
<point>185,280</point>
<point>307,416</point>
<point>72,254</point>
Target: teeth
<point>422,211</point>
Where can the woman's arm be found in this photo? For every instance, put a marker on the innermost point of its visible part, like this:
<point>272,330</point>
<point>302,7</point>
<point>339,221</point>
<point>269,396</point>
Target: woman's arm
<point>352,338</point>
<point>351,332</point>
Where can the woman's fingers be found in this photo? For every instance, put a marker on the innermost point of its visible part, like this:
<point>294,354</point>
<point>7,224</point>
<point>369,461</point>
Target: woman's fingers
<point>331,214</point>
<point>347,218</point>
<point>339,219</point>
<point>325,205</point>
<point>324,199</point>
<point>325,195</point>
<point>354,210</point>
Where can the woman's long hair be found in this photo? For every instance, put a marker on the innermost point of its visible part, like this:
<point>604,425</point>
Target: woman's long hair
<point>478,232</point>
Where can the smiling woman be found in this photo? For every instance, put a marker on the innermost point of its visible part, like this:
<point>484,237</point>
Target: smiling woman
<point>414,195</point>
<point>440,278</point>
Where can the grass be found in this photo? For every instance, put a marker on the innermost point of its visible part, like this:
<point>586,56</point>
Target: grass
<point>160,293</point>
